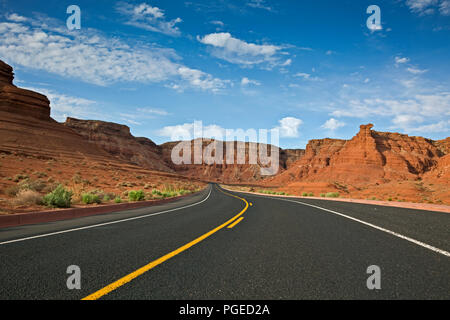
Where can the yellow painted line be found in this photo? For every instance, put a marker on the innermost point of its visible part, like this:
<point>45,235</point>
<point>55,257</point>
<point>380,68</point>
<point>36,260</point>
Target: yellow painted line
<point>124,280</point>
<point>235,223</point>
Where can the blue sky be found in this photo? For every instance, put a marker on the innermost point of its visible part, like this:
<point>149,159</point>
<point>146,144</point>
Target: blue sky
<point>310,68</point>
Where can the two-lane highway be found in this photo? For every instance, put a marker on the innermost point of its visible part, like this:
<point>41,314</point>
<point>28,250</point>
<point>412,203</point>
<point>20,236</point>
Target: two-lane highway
<point>226,245</point>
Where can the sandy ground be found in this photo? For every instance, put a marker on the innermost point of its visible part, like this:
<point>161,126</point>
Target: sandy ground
<point>80,176</point>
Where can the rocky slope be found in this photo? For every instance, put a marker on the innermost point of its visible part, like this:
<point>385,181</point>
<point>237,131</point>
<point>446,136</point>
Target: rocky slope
<point>370,157</point>
<point>26,126</point>
<point>247,172</point>
<point>37,153</point>
<point>118,141</point>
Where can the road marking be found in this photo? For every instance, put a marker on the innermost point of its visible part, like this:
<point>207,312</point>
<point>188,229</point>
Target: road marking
<point>106,223</point>
<point>398,235</point>
<point>124,280</point>
<point>231,226</point>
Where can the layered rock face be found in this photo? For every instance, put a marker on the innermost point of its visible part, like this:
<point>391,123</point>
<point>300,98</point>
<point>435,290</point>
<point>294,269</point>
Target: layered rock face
<point>370,157</point>
<point>27,128</point>
<point>248,170</point>
<point>118,141</point>
<point>13,99</point>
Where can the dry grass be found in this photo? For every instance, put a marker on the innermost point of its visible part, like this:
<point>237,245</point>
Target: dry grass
<point>27,197</point>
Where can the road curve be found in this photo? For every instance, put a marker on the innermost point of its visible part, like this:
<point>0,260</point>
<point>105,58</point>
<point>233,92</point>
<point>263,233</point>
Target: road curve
<point>223,245</point>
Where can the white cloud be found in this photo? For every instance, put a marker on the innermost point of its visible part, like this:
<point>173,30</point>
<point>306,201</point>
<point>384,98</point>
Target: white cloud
<point>416,70</point>
<point>259,4</point>
<point>63,106</point>
<point>424,7</point>
<point>16,18</point>
<point>401,60</point>
<point>441,126</point>
<point>152,111</point>
<point>91,57</point>
<point>237,51</point>
<point>149,18</point>
<point>333,124</point>
<point>405,113</point>
<point>444,8</point>
<point>289,127</point>
<point>218,23</point>
<point>306,76</point>
<point>246,81</point>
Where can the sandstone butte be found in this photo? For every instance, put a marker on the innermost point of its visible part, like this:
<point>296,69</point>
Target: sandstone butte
<point>372,164</point>
<point>36,149</point>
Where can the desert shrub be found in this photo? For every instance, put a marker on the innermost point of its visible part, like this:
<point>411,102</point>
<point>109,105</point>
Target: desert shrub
<point>36,185</point>
<point>28,197</point>
<point>156,192</point>
<point>332,195</point>
<point>118,200</point>
<point>89,198</point>
<point>138,195</point>
<point>305,194</point>
<point>323,195</point>
<point>169,194</point>
<point>19,177</point>
<point>58,198</point>
<point>12,191</point>
<point>40,174</point>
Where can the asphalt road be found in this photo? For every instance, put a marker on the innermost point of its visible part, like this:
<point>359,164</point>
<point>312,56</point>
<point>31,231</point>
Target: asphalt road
<point>281,249</point>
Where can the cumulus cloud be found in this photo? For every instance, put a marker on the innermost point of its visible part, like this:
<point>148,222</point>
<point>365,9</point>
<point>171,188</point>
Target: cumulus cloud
<point>246,81</point>
<point>150,18</point>
<point>289,127</point>
<point>237,51</point>
<point>406,113</point>
<point>333,124</point>
<point>91,57</point>
<point>16,18</point>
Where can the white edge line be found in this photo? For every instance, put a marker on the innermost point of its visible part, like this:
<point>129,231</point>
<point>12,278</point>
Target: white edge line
<point>106,223</point>
<point>398,235</point>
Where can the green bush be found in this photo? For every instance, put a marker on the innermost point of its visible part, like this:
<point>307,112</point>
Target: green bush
<point>89,198</point>
<point>118,200</point>
<point>156,192</point>
<point>323,195</point>
<point>332,195</point>
<point>305,194</point>
<point>58,198</point>
<point>138,195</point>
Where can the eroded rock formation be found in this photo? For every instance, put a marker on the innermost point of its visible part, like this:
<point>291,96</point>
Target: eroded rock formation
<point>117,140</point>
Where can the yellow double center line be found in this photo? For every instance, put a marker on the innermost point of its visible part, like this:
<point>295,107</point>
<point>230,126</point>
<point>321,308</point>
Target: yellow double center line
<point>124,280</point>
